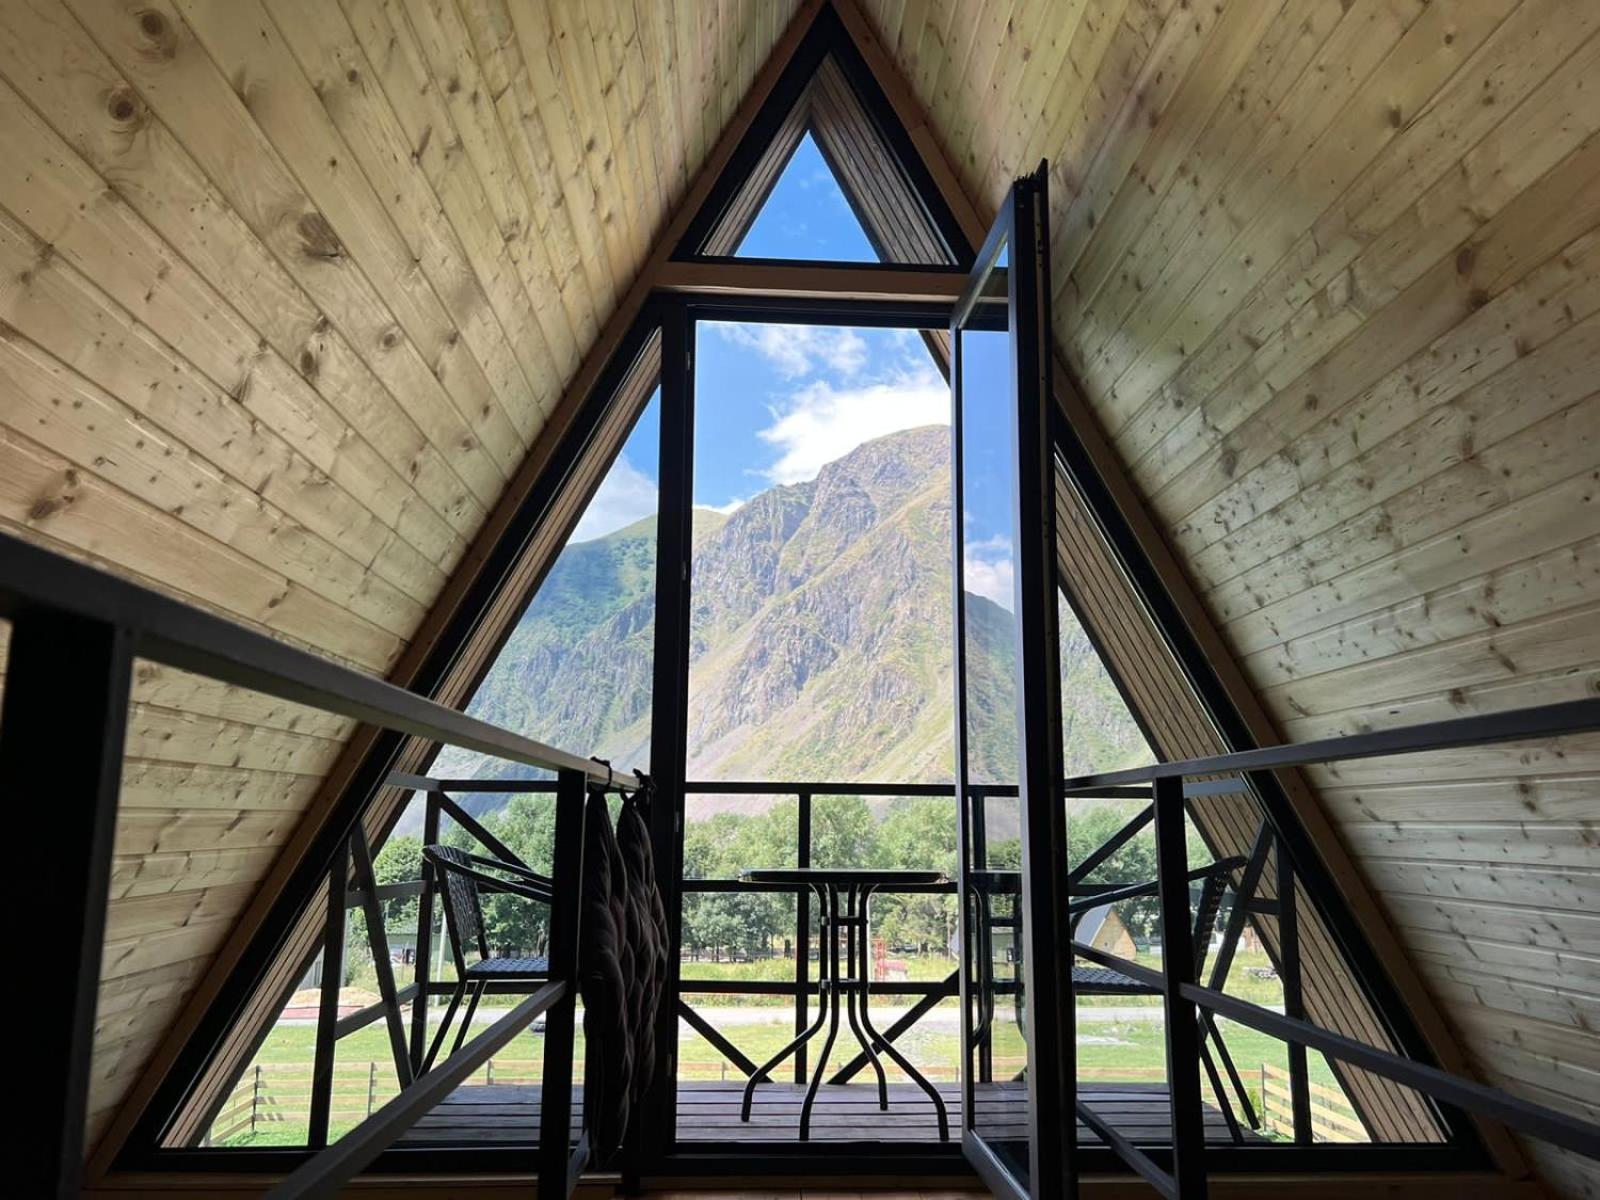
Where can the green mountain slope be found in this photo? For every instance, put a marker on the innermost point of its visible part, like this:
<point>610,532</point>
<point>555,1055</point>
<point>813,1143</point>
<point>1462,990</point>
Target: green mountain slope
<point>820,640</point>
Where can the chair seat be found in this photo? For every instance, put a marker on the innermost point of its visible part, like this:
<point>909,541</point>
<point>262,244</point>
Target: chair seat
<point>1102,981</point>
<point>509,968</point>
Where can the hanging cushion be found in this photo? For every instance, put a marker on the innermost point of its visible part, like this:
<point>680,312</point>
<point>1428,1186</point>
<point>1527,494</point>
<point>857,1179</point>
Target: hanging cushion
<point>647,934</point>
<point>604,964</point>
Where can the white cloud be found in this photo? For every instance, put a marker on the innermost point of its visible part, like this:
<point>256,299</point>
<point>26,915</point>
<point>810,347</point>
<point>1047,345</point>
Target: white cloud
<point>626,495</point>
<point>989,570</point>
<point>733,505</point>
<point>799,350</point>
<point>821,423</point>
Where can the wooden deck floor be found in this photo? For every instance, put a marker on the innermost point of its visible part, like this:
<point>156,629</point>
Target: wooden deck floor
<point>709,1112</point>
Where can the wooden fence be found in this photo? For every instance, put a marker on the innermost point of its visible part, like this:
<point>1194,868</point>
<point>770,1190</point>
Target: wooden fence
<point>1332,1117</point>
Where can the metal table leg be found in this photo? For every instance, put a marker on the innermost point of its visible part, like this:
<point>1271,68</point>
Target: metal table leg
<point>887,1046</point>
<point>824,977</point>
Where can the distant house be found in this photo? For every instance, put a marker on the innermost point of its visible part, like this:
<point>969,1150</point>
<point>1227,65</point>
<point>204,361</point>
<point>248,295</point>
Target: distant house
<point>1103,929</point>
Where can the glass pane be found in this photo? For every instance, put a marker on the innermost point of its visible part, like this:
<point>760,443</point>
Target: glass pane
<point>806,216</point>
<point>820,646</point>
<point>997,1051</point>
<point>576,671</point>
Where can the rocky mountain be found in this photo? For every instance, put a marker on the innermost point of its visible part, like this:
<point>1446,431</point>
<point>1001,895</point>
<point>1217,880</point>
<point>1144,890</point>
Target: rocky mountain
<point>820,639</point>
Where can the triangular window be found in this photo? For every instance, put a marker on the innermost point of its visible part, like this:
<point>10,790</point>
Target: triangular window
<point>807,215</point>
<point>824,181</point>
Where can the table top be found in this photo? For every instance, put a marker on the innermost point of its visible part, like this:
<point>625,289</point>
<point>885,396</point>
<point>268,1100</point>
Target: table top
<point>840,876</point>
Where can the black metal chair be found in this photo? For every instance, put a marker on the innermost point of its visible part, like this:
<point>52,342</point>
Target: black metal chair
<point>462,878</point>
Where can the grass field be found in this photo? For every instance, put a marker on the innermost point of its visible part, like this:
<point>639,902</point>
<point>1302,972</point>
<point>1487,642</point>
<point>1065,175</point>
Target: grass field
<point>1113,1044</point>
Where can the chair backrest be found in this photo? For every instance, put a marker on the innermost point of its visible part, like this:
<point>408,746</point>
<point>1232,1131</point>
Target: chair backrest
<point>463,906</point>
<point>1205,917</point>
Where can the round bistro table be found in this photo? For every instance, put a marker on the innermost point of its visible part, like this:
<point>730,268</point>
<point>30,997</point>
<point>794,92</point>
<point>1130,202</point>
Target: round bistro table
<point>843,894</point>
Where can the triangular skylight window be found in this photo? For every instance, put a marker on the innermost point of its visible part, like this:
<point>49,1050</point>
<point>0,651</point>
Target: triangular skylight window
<point>824,181</point>
<point>807,215</point>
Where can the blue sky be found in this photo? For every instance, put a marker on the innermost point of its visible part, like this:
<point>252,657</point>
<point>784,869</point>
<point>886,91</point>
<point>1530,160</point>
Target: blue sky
<point>775,402</point>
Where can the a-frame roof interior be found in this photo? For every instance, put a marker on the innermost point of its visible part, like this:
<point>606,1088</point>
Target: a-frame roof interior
<point>303,306</point>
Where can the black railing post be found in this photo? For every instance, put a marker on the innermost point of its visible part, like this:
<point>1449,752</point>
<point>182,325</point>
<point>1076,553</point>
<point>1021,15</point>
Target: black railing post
<point>1293,1001</point>
<point>802,931</point>
<point>378,943</point>
<point>424,952</point>
<point>566,906</point>
<point>328,1010</point>
<point>983,935</point>
<point>1178,970</point>
<point>61,740</point>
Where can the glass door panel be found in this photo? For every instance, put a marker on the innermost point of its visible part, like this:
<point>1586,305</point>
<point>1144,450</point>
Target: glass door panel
<point>1016,1026</point>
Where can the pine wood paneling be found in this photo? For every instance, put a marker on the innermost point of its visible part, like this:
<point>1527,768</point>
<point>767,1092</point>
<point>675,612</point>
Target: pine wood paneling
<point>288,291</point>
<point>1326,272</point>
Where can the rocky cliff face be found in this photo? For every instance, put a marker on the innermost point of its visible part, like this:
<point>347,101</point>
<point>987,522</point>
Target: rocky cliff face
<point>820,639</point>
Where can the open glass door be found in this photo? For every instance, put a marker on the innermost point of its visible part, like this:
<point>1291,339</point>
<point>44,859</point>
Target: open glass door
<point>1017,1037</point>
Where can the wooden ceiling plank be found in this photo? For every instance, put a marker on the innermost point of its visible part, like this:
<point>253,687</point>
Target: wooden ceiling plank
<point>131,955</point>
<point>156,683</point>
<point>1535,998</point>
<point>1102,63</point>
<point>1498,538</point>
<point>1524,355</point>
<point>156,783</point>
<point>1541,843</point>
<point>547,255</point>
<point>186,737</point>
<point>1425,307</point>
<point>1508,762</point>
<point>1544,797</point>
<point>158,874</point>
<point>1450,153</point>
<point>154,830</point>
<point>1548,583</point>
<point>1225,150</point>
<point>106,241</point>
<point>1175,97</point>
<point>1440,505</point>
<point>438,41</point>
<point>149,914</point>
<point>132,993</point>
<point>561,107</point>
<point>631,49</point>
<point>1575,931</point>
<point>468,262</point>
<point>44,496</point>
<point>1569,682</point>
<point>1551,641</point>
<point>1334,125</point>
<point>281,148</point>
<point>658,38</point>
<point>1023,109</point>
<point>130,452</point>
<point>1131,179</point>
<point>998,111</point>
<point>960,41</point>
<point>988,39</point>
<point>590,96</point>
<point>157,177</point>
<point>164,404</point>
